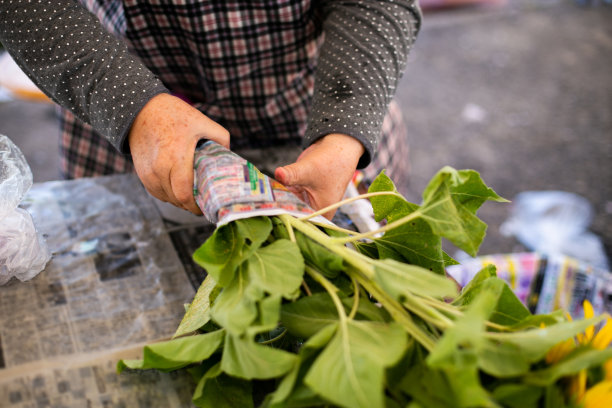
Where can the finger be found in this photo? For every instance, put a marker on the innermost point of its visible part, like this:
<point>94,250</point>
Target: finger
<point>215,132</point>
<point>156,191</point>
<point>295,174</point>
<point>156,179</point>
<point>181,181</point>
<point>150,181</point>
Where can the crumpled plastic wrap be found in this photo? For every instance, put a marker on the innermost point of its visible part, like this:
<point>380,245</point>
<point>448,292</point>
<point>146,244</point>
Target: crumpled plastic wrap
<point>555,223</point>
<point>23,251</point>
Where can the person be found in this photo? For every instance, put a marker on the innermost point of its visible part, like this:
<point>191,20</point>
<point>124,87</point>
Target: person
<point>141,82</point>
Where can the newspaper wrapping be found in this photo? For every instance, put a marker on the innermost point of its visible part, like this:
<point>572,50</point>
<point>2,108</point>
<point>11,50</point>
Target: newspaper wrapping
<point>228,187</point>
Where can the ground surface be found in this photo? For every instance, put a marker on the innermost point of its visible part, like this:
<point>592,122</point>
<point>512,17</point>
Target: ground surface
<point>521,92</point>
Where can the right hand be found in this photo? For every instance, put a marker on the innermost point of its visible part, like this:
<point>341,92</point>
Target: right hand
<point>162,142</point>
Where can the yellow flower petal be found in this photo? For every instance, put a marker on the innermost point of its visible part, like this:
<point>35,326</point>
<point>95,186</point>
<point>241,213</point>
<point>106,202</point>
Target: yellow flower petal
<point>598,396</point>
<point>603,338</point>
<point>607,367</point>
<point>588,313</point>
<point>577,385</point>
<point>560,350</point>
<point>588,309</point>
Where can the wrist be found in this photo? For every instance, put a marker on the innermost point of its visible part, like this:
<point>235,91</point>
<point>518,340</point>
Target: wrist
<point>346,146</point>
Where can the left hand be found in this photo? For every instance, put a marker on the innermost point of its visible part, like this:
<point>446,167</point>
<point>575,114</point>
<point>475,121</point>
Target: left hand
<point>322,172</point>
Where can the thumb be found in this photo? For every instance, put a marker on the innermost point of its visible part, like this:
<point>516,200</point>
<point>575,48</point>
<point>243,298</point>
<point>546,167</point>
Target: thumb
<point>290,175</point>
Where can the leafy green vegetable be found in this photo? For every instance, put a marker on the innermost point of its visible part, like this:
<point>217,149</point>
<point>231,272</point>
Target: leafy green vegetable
<point>218,390</point>
<point>290,315</point>
<point>177,353</point>
<point>198,313</point>
<point>350,370</point>
<point>247,359</point>
<point>230,245</point>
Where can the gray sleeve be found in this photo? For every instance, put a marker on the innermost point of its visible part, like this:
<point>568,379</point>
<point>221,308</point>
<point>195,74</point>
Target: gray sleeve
<point>71,58</point>
<point>360,63</point>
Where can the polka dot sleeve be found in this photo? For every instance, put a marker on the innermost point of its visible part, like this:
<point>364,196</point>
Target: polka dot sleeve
<point>70,57</point>
<point>360,63</point>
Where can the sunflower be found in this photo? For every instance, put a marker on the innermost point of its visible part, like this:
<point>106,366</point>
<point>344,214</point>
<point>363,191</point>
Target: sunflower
<point>599,395</point>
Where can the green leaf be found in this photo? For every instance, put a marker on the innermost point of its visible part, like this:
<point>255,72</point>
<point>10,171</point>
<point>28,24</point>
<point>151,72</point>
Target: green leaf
<point>452,386</point>
<point>473,287</point>
<point>580,359</point>
<point>177,353</point>
<point>506,355</point>
<point>467,340</point>
<point>198,313</point>
<point>413,242</point>
<point>217,390</point>
<point>466,337</point>
<point>277,268</point>
<point>535,343</point>
<point>467,188</point>
<point>230,245</point>
<point>366,310</point>
<point>244,358</point>
<point>320,257</point>
<point>387,205</point>
<point>402,281</point>
<point>448,260</point>
<point>236,306</point>
<point>369,249</point>
<point>308,315</point>
<point>554,397</point>
<point>450,201</point>
<point>536,321</point>
<point>304,397</point>
<point>287,390</point>
<point>268,315</point>
<point>501,359</point>
<point>448,210</point>
<point>350,370</point>
<point>494,353</point>
<point>518,395</point>
<point>508,311</point>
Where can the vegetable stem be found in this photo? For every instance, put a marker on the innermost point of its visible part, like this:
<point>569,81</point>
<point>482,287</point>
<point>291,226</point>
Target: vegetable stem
<point>396,310</point>
<point>354,258</point>
<point>346,201</point>
<point>331,289</point>
<point>370,234</point>
<point>355,299</point>
<point>272,340</point>
<point>291,234</point>
<point>363,272</point>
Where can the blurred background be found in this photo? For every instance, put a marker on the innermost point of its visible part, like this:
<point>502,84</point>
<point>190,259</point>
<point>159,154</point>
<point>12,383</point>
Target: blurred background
<point>519,90</point>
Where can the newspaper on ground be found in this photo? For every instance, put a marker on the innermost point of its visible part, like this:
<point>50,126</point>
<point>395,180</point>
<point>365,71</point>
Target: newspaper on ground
<point>115,283</point>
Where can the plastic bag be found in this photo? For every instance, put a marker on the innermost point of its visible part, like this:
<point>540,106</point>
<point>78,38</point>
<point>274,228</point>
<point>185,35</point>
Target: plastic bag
<point>555,223</point>
<point>23,251</point>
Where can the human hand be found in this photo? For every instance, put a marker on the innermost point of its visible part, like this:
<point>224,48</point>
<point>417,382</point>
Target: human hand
<point>321,173</point>
<point>162,142</point>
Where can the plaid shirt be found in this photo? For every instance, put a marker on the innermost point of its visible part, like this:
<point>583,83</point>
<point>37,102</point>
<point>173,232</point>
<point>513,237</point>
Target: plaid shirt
<point>271,72</point>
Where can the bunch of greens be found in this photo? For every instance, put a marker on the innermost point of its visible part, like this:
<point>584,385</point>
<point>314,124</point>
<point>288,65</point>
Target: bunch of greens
<point>295,314</point>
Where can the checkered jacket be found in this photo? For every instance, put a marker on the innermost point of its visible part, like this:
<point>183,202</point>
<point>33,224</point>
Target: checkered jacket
<point>271,72</point>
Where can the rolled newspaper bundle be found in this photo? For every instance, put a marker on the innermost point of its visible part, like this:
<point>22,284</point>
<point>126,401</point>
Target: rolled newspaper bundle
<point>228,187</point>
